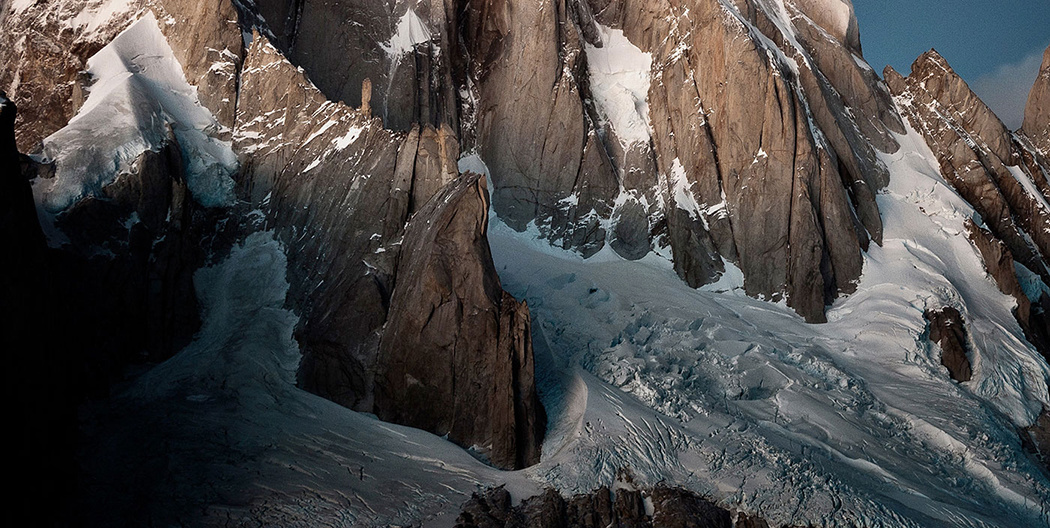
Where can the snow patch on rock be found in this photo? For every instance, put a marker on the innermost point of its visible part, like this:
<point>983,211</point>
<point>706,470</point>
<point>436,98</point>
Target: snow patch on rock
<point>409,32</point>
<point>139,94</point>
<point>620,74</point>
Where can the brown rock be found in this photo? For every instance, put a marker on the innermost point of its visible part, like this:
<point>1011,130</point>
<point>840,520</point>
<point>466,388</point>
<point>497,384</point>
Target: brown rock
<point>974,150</point>
<point>593,510</point>
<point>489,509</point>
<point>375,319</point>
<point>626,507</point>
<point>948,330</point>
<point>455,356</point>
<point>1039,436</point>
<point>998,261</point>
<point>1037,111</point>
<point>679,508</point>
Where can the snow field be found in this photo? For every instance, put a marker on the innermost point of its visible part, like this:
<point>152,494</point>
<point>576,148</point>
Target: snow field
<point>850,422</point>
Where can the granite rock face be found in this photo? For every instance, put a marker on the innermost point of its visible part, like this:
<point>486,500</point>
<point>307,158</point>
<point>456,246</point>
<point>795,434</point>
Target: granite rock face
<point>381,302</point>
<point>456,353</point>
<point>1037,110</point>
<point>714,147</point>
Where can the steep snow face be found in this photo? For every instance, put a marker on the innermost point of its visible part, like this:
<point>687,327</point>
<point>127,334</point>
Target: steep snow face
<point>853,422</point>
<point>139,93</point>
<point>620,78</point>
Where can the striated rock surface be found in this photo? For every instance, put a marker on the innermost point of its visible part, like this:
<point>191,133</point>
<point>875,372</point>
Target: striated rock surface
<point>696,145</point>
<point>948,330</point>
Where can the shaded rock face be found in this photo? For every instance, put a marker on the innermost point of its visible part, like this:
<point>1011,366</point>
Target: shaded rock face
<point>118,292</point>
<point>995,171</point>
<point>295,169</point>
<point>624,507</point>
<point>407,50</point>
<point>720,147</point>
<point>1037,110</point>
<point>409,323</point>
<point>948,330</point>
<point>20,226</point>
<point>38,377</point>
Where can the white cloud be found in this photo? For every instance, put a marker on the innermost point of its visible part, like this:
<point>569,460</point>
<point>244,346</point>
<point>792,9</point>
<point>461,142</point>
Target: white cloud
<point>1005,90</point>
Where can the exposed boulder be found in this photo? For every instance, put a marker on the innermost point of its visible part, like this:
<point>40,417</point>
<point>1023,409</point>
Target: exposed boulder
<point>948,330</point>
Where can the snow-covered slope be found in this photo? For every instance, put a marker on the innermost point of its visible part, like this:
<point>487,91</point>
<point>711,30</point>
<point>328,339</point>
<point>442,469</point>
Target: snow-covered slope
<point>850,422</point>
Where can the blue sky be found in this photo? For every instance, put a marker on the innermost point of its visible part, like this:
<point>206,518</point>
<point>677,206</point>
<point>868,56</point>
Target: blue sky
<point>995,45</point>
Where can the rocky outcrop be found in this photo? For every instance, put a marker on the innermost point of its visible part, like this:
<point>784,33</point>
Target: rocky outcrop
<point>379,302</point>
<point>1037,439</point>
<point>1036,124</point>
<point>948,330</point>
<point>978,156</point>
<point>624,507</point>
